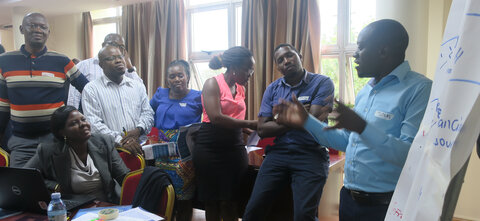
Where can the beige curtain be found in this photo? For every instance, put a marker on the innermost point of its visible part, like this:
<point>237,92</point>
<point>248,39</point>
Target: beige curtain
<point>267,23</point>
<point>87,35</point>
<point>154,36</point>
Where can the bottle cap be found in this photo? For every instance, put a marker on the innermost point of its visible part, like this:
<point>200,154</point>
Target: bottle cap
<point>56,195</point>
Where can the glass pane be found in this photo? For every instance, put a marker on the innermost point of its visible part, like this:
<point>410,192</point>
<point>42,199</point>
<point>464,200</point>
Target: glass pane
<point>204,72</point>
<point>202,2</point>
<point>362,13</point>
<point>328,19</point>
<point>105,13</point>
<point>99,33</point>
<point>238,28</point>
<point>330,69</point>
<point>358,83</point>
<point>210,30</point>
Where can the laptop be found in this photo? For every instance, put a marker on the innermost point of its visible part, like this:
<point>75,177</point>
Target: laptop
<point>23,189</point>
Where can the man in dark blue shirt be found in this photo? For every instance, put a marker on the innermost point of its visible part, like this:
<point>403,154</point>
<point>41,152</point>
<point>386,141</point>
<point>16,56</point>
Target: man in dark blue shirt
<point>296,159</point>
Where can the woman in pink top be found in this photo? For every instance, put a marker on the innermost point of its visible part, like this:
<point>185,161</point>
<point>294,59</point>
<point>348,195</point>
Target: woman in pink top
<point>219,156</point>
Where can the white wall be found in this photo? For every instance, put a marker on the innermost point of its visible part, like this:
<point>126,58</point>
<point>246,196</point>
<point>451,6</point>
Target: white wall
<point>6,39</point>
<point>66,35</point>
<point>413,14</point>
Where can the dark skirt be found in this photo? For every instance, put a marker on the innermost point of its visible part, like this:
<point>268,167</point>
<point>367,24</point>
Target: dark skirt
<point>220,162</point>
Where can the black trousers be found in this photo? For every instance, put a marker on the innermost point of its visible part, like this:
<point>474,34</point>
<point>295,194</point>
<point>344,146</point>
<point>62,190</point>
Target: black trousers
<point>351,210</point>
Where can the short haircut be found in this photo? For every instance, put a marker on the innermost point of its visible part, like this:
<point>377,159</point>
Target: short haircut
<point>388,32</point>
<point>111,36</point>
<point>182,63</point>
<point>285,45</point>
<point>59,119</point>
<point>232,58</point>
<point>33,14</point>
<point>102,50</point>
<point>2,49</point>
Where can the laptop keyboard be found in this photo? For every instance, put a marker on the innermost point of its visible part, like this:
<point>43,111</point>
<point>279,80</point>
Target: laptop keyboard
<point>72,204</point>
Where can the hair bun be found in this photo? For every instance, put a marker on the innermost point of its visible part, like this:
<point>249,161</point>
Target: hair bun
<point>216,62</point>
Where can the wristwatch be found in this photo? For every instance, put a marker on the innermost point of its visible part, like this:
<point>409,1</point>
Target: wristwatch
<point>133,69</point>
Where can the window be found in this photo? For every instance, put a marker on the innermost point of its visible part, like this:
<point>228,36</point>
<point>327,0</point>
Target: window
<point>213,27</point>
<point>105,21</point>
<point>341,22</point>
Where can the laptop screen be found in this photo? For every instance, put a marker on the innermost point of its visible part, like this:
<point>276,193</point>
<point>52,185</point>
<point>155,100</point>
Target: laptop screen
<point>23,189</point>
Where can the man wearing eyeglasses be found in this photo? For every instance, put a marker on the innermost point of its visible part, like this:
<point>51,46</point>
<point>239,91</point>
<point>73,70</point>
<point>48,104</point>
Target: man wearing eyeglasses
<point>92,70</point>
<point>117,105</point>
<point>32,86</point>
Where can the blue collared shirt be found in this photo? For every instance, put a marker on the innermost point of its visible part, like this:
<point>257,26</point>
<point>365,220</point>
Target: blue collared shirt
<point>393,109</point>
<point>279,89</point>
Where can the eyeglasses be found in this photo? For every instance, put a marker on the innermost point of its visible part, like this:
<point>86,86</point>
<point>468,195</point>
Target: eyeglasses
<point>35,26</point>
<point>113,58</point>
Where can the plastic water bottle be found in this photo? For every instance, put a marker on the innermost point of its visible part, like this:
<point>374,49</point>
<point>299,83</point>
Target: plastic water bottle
<point>56,209</point>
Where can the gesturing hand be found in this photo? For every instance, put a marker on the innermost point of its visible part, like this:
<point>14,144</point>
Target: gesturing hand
<point>292,114</point>
<point>347,118</point>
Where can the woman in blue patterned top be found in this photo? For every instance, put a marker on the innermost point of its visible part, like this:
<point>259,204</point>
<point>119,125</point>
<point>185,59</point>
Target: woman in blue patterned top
<point>174,107</point>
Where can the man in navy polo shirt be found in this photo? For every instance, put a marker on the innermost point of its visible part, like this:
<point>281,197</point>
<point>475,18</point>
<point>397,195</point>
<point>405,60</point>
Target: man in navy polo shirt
<point>296,159</point>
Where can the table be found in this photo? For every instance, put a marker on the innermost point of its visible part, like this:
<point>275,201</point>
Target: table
<point>27,216</point>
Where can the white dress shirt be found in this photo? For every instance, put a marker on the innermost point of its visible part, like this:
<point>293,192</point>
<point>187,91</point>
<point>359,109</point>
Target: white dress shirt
<point>110,107</point>
<point>91,69</point>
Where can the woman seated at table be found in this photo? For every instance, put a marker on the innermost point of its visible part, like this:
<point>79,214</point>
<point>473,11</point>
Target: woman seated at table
<point>174,107</point>
<point>78,162</point>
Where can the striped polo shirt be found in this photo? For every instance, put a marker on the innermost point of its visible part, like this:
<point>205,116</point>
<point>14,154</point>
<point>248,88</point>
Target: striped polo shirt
<point>32,87</point>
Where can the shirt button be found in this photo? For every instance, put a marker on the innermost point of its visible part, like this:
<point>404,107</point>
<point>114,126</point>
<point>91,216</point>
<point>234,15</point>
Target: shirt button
<point>366,109</point>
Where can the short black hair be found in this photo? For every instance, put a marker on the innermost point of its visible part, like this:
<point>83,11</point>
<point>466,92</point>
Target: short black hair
<point>182,63</point>
<point>388,32</point>
<point>111,36</point>
<point>285,45</point>
<point>59,119</point>
<point>232,58</point>
<point>33,14</point>
<point>2,49</point>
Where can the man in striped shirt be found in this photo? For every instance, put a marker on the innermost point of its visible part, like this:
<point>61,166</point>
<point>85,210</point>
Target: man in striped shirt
<point>117,105</point>
<point>32,86</point>
<point>92,70</point>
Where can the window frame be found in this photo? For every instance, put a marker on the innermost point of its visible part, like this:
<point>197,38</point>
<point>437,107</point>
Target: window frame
<point>342,50</point>
<point>205,56</point>
<point>117,19</point>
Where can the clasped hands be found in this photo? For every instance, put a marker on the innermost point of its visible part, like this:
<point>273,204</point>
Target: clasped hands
<point>130,142</point>
<point>294,114</point>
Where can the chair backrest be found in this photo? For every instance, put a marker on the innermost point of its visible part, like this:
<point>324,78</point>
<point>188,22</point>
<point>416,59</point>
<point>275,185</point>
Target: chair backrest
<point>166,203</point>
<point>129,186</point>
<point>4,158</point>
<point>131,161</point>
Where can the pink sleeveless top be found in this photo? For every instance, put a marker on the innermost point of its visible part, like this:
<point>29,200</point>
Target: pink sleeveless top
<point>233,107</point>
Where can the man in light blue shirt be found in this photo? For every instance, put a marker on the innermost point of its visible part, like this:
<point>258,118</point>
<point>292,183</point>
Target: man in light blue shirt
<point>377,135</point>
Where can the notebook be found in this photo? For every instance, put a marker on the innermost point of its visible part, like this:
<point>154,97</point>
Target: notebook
<point>23,189</point>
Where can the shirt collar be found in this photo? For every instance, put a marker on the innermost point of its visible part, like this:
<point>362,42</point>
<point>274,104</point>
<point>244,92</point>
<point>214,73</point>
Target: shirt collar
<point>28,54</point>
<point>400,72</point>
<point>96,60</point>
<point>126,81</point>
<point>304,79</point>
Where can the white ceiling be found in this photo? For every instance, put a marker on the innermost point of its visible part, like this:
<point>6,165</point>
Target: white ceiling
<point>57,7</point>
